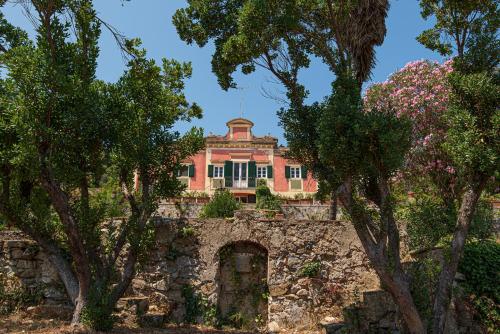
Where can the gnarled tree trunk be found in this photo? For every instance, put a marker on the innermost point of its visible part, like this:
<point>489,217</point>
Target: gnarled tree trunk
<point>447,276</point>
<point>381,245</point>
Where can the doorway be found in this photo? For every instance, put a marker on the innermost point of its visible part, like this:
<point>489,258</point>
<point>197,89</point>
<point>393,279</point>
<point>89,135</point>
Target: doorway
<point>240,172</point>
<point>242,280</point>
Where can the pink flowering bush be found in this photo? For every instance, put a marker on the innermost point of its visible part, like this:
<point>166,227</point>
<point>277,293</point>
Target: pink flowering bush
<point>420,91</point>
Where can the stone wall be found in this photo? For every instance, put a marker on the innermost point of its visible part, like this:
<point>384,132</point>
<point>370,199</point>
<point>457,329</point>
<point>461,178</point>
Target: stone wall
<point>187,254</point>
<point>183,270</point>
<point>23,260</point>
<point>290,211</point>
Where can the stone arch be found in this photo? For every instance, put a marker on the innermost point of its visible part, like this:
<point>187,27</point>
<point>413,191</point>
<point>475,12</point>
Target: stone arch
<point>241,282</point>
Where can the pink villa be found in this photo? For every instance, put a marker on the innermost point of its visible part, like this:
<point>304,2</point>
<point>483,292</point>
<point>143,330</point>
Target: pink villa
<point>239,161</point>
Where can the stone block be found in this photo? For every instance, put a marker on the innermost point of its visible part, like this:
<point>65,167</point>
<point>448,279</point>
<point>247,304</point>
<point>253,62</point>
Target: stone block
<point>162,285</point>
<point>139,284</point>
<point>278,289</point>
<point>302,293</point>
<point>243,262</point>
<point>273,327</point>
<point>152,320</point>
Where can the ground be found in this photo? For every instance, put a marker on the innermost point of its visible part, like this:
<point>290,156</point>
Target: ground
<point>24,322</point>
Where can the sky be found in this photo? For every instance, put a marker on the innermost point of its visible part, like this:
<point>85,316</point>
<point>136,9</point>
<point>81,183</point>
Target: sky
<point>151,21</point>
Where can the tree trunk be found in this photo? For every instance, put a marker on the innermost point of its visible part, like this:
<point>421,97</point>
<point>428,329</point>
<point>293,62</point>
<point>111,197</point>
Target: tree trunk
<point>399,288</point>
<point>388,269</point>
<point>443,292</point>
<point>64,271</point>
<point>80,304</point>
<point>50,247</point>
<point>333,205</point>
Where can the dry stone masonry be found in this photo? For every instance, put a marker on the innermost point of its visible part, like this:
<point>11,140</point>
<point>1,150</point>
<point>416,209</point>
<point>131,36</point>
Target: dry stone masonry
<point>310,270</point>
<point>246,271</point>
<point>22,261</point>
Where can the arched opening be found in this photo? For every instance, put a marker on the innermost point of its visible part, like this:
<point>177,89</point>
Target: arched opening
<point>242,285</point>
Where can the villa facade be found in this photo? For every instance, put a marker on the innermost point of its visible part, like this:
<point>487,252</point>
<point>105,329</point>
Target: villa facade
<point>239,161</point>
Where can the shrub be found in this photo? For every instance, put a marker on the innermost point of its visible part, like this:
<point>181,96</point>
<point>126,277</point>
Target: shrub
<point>198,307</point>
<point>424,277</point>
<point>429,221</point>
<point>266,200</point>
<point>222,205</point>
<point>482,223</point>
<point>98,314</point>
<point>481,266</point>
<point>310,269</point>
<point>13,295</point>
<point>187,232</point>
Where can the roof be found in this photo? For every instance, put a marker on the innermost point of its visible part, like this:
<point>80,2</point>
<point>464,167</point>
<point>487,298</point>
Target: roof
<point>239,121</point>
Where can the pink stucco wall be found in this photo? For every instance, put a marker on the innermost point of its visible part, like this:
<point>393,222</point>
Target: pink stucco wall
<point>240,133</point>
<point>198,181</point>
<point>280,181</point>
<point>223,155</point>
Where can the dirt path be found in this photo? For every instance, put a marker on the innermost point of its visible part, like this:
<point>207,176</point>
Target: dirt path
<point>22,322</point>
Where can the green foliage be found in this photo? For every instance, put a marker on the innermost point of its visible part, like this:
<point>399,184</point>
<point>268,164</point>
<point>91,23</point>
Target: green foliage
<point>474,135</point>
<point>310,269</point>
<point>71,146</point>
<point>14,296</point>
<point>488,312</point>
<point>455,21</point>
<point>481,266</point>
<point>98,317</point>
<point>483,221</point>
<point>266,200</point>
<point>250,33</point>
<point>172,253</point>
<point>238,320</point>
<point>187,232</point>
<point>430,220</point>
<point>222,205</point>
<point>197,307</point>
<point>424,275</point>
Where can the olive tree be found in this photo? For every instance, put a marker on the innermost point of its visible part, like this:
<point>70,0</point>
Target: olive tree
<point>70,146</point>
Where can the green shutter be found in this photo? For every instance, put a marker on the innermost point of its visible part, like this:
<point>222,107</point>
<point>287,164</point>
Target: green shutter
<point>210,170</point>
<point>252,173</point>
<point>287,172</point>
<point>228,174</point>
<point>191,171</point>
<point>269,172</point>
<point>303,172</point>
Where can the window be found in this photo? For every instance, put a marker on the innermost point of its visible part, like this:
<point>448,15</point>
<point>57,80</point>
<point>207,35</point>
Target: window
<point>183,171</point>
<point>261,172</point>
<point>218,171</point>
<point>295,172</point>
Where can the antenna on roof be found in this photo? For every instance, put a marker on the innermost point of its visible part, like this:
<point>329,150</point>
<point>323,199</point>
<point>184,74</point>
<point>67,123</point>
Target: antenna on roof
<point>242,98</point>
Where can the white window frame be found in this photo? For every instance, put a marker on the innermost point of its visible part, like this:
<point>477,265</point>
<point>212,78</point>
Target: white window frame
<point>179,172</point>
<point>261,172</point>
<point>218,172</point>
<point>295,172</point>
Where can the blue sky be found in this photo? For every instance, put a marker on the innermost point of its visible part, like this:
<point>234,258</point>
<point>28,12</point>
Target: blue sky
<point>151,21</point>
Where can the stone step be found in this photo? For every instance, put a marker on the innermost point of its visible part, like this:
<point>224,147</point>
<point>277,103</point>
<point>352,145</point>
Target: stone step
<point>138,305</point>
<point>333,328</point>
<point>152,320</point>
